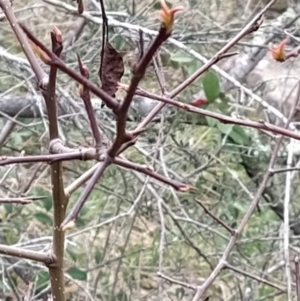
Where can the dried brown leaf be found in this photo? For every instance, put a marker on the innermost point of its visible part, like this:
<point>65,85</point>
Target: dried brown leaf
<point>112,69</point>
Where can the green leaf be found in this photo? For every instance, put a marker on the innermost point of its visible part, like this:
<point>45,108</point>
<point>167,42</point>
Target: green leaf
<point>211,86</point>
<point>16,138</point>
<point>192,68</point>
<point>121,296</point>
<point>98,256</point>
<point>47,203</point>
<point>8,208</point>
<point>224,128</point>
<point>72,255</point>
<point>80,222</point>
<point>43,278</point>
<point>181,57</point>
<point>119,42</point>
<point>239,135</point>
<point>44,218</point>
<point>179,293</point>
<point>77,274</point>
<point>211,121</point>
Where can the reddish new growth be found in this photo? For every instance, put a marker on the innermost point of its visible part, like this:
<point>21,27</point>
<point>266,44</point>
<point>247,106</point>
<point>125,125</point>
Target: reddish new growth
<point>57,34</point>
<point>167,15</point>
<point>278,51</point>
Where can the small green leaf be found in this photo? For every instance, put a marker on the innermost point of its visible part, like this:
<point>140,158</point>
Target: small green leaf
<point>181,57</point>
<point>179,293</point>
<point>98,256</point>
<point>16,138</point>
<point>239,135</point>
<point>44,218</point>
<point>80,222</point>
<point>192,68</point>
<point>47,203</point>
<point>121,296</point>
<point>42,280</point>
<point>224,128</point>
<point>8,208</point>
<point>77,274</point>
<point>211,86</point>
<point>72,255</point>
<point>211,121</point>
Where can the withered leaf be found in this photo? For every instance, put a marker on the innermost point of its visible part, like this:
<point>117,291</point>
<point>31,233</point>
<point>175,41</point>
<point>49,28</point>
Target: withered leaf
<point>112,69</point>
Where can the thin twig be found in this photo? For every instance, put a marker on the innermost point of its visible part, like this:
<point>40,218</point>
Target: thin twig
<point>21,200</point>
<point>29,292</point>
<point>218,220</point>
<point>84,93</point>
<point>71,217</point>
<point>56,61</point>
<point>259,279</point>
<point>175,281</point>
<point>27,254</point>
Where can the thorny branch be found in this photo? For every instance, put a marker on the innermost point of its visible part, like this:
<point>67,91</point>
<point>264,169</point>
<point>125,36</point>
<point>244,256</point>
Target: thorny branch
<point>109,152</point>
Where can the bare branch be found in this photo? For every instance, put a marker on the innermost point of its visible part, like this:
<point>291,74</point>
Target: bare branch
<point>174,281</point>
<point>27,254</point>
<point>218,220</point>
<point>54,60</point>
<point>40,74</point>
<point>71,217</point>
<point>21,200</point>
<point>259,279</point>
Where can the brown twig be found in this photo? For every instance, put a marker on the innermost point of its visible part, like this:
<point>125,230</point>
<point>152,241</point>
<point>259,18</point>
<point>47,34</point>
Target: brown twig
<point>27,254</point>
<point>201,289</point>
<point>72,216</point>
<point>174,281</point>
<point>250,27</point>
<point>49,94</point>
<point>137,74</point>
<point>56,61</point>
<point>84,93</point>
<point>59,199</point>
<point>21,200</point>
<point>91,154</point>
<point>218,220</point>
<point>282,170</point>
<point>121,112</point>
<point>259,279</point>
<point>38,71</point>
<point>149,172</point>
<point>262,125</point>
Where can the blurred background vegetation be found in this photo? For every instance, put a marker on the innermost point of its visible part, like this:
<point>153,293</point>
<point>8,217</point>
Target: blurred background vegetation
<point>132,227</point>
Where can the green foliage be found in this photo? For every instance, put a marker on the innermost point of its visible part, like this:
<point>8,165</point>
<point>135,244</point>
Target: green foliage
<point>121,296</point>
<point>71,253</point>
<point>43,218</point>
<point>42,280</point>
<point>98,256</point>
<point>77,273</point>
<point>181,58</point>
<point>211,85</point>
<point>179,293</point>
